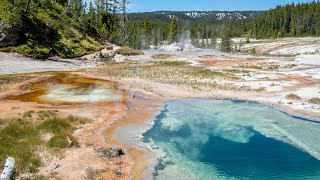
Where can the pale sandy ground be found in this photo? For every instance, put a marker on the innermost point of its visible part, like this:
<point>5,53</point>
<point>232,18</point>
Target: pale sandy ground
<point>13,63</point>
<point>273,76</point>
<point>285,46</point>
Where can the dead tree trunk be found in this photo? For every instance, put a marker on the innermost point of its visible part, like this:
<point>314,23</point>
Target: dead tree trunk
<point>8,169</point>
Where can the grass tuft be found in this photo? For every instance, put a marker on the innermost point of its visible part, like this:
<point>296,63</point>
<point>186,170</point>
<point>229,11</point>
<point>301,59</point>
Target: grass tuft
<point>58,141</point>
<point>28,114</point>
<point>21,138</point>
<point>314,101</point>
<point>50,114</point>
<point>293,97</point>
<point>56,126</point>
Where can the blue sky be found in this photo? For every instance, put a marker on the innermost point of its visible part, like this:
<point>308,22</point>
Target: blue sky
<point>206,5</point>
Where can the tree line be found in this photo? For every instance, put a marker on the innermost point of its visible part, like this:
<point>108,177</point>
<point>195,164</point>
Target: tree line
<point>64,27</point>
<point>291,20</point>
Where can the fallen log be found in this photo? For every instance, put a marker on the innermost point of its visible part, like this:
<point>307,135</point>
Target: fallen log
<point>8,169</point>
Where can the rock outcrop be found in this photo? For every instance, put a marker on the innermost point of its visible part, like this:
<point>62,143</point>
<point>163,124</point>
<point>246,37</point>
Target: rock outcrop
<point>112,152</point>
<point>8,35</point>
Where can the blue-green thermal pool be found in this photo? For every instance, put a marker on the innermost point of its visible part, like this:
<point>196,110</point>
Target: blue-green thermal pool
<point>223,139</point>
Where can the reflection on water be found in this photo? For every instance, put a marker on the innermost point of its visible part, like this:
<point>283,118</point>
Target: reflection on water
<point>73,89</point>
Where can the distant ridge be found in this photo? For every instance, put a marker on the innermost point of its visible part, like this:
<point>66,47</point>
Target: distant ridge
<point>196,15</point>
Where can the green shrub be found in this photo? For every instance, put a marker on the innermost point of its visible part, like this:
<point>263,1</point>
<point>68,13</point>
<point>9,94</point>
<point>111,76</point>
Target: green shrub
<point>35,50</point>
<point>126,51</point>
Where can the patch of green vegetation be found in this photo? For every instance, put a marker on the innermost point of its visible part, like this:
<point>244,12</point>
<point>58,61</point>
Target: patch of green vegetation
<point>62,129</point>
<point>182,76</point>
<point>174,63</point>
<point>276,55</point>
<point>49,114</point>
<point>293,97</point>
<point>58,141</point>
<point>56,126</point>
<point>32,49</point>
<point>20,138</point>
<point>208,72</point>
<point>261,89</point>
<point>314,100</point>
<point>74,44</point>
<point>127,51</point>
<point>46,29</point>
<point>161,56</point>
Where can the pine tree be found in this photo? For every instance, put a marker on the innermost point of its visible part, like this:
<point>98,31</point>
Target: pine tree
<point>203,44</point>
<point>213,41</point>
<point>76,9</point>
<point>92,15</point>
<point>123,20</point>
<point>226,43</point>
<point>173,33</point>
<point>147,32</point>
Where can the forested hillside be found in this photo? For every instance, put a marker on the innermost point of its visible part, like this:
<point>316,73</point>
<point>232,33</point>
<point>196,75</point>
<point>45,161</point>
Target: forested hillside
<point>72,28</point>
<point>292,20</point>
<point>41,28</point>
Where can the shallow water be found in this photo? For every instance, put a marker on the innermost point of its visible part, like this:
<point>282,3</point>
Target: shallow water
<point>135,68</point>
<point>222,139</point>
<point>72,89</point>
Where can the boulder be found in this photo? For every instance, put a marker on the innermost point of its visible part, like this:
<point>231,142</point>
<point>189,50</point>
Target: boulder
<point>8,35</point>
<point>111,152</point>
<point>109,48</point>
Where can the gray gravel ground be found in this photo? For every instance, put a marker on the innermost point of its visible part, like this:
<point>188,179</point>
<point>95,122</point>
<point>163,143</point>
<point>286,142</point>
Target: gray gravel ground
<point>12,63</point>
